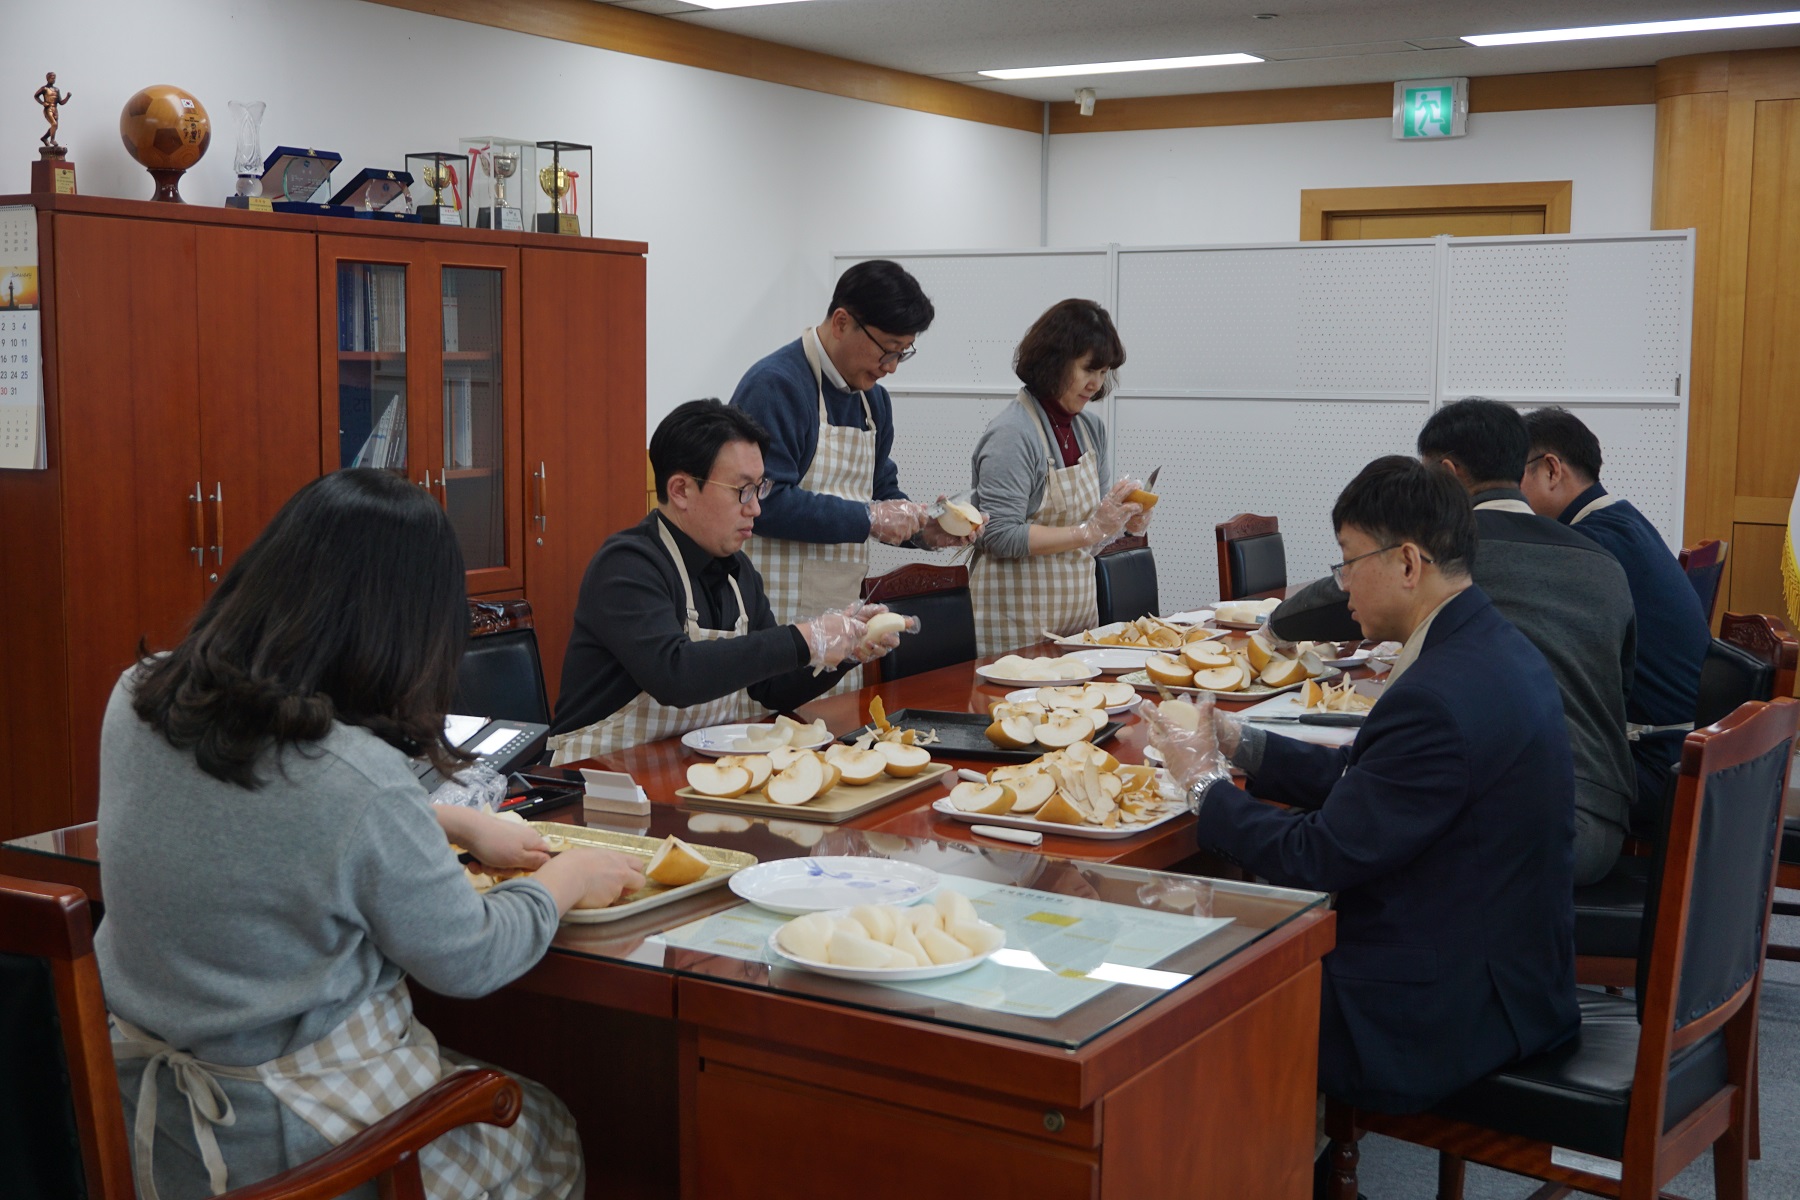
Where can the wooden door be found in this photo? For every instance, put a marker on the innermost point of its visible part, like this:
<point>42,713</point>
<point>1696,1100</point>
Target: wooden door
<point>1422,223</point>
<point>584,425</point>
<point>1461,209</point>
<point>129,429</point>
<point>258,325</point>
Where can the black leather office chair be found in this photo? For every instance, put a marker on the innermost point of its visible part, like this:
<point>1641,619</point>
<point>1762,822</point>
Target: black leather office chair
<point>1125,580</point>
<point>939,597</point>
<point>1650,1082</point>
<point>1705,565</point>
<point>501,676</point>
<point>1252,558</point>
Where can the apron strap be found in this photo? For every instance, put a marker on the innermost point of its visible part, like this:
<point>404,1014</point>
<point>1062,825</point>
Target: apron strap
<point>809,345</point>
<point>687,585</point>
<point>1085,445</point>
<point>207,1102</point>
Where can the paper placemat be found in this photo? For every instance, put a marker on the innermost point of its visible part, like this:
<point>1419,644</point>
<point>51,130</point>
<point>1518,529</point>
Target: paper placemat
<point>1061,951</point>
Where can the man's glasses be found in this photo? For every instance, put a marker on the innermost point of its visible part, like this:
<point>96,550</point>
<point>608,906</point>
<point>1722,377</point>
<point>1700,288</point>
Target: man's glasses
<point>750,491</point>
<point>889,358</point>
<point>1337,569</point>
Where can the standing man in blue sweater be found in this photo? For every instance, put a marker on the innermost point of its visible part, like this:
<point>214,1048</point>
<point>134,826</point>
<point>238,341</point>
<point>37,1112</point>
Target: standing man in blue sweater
<point>831,441</point>
<point>1562,482</point>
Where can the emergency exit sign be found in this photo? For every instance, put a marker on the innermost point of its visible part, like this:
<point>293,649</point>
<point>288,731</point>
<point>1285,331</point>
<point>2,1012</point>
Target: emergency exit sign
<point>1430,108</point>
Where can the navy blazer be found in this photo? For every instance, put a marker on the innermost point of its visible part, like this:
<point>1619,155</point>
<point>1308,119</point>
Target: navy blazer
<point>1447,830</point>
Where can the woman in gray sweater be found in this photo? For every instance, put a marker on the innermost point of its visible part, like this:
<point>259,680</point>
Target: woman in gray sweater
<point>1037,478</point>
<point>273,871</point>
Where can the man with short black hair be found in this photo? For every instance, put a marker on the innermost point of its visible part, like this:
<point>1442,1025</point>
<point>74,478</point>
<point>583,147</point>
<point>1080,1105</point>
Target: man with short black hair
<point>672,629</point>
<point>1561,590</point>
<point>1445,828</point>
<point>1562,482</point>
<point>831,440</point>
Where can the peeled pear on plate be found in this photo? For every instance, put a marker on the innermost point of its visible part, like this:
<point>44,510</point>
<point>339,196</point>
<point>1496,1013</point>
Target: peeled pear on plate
<point>676,863</point>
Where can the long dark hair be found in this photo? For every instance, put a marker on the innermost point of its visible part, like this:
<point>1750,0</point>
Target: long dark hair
<point>349,607</point>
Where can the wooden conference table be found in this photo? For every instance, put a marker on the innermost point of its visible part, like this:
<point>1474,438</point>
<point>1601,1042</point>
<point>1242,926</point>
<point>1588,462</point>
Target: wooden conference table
<point>699,1073</point>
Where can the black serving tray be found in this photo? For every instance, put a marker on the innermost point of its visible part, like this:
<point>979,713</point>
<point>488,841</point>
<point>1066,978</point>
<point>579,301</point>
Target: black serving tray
<point>964,735</point>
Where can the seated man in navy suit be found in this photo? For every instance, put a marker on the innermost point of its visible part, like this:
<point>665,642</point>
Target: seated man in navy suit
<point>1446,828</point>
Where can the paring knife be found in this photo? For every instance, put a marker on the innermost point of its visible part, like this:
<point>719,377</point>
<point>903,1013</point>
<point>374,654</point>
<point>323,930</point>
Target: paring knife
<point>1150,483</point>
<point>1341,720</point>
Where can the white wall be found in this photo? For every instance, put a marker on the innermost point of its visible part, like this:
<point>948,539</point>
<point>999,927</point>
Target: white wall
<point>1242,183</point>
<point>741,188</point>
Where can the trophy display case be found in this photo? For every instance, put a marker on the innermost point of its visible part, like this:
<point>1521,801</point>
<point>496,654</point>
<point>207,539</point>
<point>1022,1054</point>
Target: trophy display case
<point>566,179</point>
<point>299,181</point>
<point>502,182</point>
<point>441,185</point>
<point>378,195</point>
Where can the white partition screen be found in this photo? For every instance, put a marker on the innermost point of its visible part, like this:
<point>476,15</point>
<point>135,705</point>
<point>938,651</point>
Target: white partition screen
<point>1261,378</point>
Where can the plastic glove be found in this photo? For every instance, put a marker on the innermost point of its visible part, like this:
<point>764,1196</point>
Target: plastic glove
<point>1110,517</point>
<point>894,521</point>
<point>931,535</point>
<point>870,649</point>
<point>1194,758</point>
<point>832,637</point>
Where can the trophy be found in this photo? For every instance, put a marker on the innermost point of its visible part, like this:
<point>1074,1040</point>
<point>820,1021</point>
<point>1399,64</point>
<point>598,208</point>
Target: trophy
<point>298,180</point>
<point>247,159</point>
<point>373,191</point>
<point>167,131</point>
<point>436,170</point>
<point>52,172</point>
<point>562,184</point>
<point>502,215</point>
<point>496,193</point>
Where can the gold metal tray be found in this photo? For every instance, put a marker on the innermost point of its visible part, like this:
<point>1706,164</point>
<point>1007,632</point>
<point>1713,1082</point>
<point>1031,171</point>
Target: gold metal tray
<point>723,863</point>
<point>841,803</point>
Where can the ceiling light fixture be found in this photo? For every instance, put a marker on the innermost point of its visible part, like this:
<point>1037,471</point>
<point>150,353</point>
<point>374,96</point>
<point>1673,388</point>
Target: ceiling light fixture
<point>1640,28</point>
<point>1113,68</point>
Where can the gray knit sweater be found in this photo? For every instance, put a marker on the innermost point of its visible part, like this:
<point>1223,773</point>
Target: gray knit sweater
<point>242,925</point>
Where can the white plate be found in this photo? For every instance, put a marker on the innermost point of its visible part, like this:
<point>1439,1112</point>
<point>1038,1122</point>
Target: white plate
<point>1140,680</point>
<point>989,674</point>
<point>717,740</point>
<point>803,885</point>
<point>1351,660</point>
<point>1114,660</point>
<point>1198,616</point>
<point>1028,695</point>
<point>946,809</point>
<point>880,974</point>
<point>1152,755</point>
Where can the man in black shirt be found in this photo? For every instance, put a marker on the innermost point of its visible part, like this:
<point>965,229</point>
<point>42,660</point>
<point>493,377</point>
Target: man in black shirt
<point>673,631</point>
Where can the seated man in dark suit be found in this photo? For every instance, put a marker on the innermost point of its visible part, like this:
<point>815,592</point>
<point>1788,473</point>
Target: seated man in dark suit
<point>1445,828</point>
<point>1561,590</point>
<point>1562,482</point>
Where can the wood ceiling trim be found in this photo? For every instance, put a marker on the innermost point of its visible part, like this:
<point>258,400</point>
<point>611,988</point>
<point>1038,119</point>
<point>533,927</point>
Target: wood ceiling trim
<point>630,32</point>
<point>1348,102</point>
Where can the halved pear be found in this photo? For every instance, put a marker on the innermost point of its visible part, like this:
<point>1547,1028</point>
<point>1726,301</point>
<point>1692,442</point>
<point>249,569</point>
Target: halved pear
<point>800,782</point>
<point>1205,656</point>
<point>1221,679</point>
<point>758,765</point>
<point>984,798</point>
<point>676,863</point>
<point>711,779</point>
<point>1011,733</point>
<point>903,762</point>
<point>960,520</point>
<point>861,767</point>
<point>1030,793</point>
<point>1169,672</point>
<point>1283,671</point>
<point>1181,713</point>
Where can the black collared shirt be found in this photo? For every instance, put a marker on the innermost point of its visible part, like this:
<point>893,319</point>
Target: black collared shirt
<point>631,637</point>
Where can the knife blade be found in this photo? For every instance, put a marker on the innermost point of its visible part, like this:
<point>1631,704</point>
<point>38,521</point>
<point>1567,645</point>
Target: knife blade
<point>1338,719</point>
<point>1150,483</point>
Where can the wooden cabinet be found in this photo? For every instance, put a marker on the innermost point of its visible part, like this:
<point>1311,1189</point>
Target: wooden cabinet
<point>202,364</point>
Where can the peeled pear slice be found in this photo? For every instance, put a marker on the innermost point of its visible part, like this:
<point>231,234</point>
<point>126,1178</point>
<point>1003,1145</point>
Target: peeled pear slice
<point>783,757</point>
<point>808,937</point>
<point>1168,672</point>
<point>907,943</point>
<point>676,863</point>
<point>1012,732</point>
<point>763,738</point>
<point>1063,729</point>
<point>758,765</point>
<point>903,762</point>
<point>847,950</point>
<point>980,937</point>
<point>922,917</point>
<point>960,520</point>
<point>877,919</point>
<point>801,734</point>
<point>711,779</point>
<point>1283,671</point>
<point>799,783</point>
<point>973,797</point>
<point>861,767</point>
<point>1221,679</point>
<point>1181,713</point>
<point>1030,793</point>
<point>1204,656</point>
<point>942,947</point>
<point>954,906</point>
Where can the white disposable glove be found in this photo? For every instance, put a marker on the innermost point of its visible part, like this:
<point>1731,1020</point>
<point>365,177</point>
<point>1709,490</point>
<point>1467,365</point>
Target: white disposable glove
<point>1195,758</point>
<point>1141,522</point>
<point>1110,517</point>
<point>833,636</point>
<point>894,521</point>
<point>872,648</point>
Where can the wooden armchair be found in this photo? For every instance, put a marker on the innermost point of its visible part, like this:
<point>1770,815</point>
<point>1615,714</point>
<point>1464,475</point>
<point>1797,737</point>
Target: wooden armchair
<point>939,597</point>
<point>1125,581</point>
<point>1705,565</point>
<point>1646,1084</point>
<point>1252,559</point>
<point>65,1133</point>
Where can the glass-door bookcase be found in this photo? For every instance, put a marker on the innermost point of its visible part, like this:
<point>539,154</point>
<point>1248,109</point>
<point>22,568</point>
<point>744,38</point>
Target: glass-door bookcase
<point>421,373</point>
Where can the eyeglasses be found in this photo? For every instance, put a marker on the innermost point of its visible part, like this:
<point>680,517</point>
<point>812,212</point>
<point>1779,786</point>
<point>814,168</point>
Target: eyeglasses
<point>889,358</point>
<point>1337,569</point>
<point>750,491</point>
<point>1536,458</point>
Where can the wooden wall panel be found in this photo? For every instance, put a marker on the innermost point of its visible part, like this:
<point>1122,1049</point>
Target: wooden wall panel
<point>131,456</point>
<point>1755,562</point>
<point>584,425</point>
<point>1769,431</point>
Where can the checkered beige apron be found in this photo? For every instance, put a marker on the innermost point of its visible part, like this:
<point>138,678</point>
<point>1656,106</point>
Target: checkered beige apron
<point>643,719</point>
<point>1017,599</point>
<point>377,1061</point>
<point>804,579</point>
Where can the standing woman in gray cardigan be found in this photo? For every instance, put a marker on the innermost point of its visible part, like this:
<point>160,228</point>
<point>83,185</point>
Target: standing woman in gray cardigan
<point>1037,478</point>
<point>273,870</point>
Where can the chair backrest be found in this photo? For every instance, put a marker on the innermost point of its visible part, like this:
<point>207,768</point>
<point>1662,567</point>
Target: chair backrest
<point>1729,676</point>
<point>62,1130</point>
<point>1252,558</point>
<point>1704,564</point>
<point>939,597</point>
<point>1769,639</point>
<point>501,676</point>
<point>1125,581</point>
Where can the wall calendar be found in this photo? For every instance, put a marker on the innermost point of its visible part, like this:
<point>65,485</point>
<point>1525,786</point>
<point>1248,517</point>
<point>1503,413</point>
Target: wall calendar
<point>21,356</point>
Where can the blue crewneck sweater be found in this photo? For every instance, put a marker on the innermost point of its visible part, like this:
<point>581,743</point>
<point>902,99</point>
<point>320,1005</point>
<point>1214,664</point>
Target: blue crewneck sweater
<point>779,392</point>
<point>1672,630</point>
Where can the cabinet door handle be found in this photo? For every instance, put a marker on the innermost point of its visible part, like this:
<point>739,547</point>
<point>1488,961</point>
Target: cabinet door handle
<point>540,479</point>
<point>218,546</point>
<point>196,504</point>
